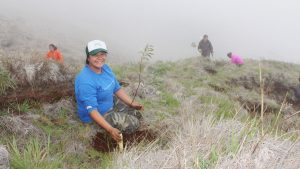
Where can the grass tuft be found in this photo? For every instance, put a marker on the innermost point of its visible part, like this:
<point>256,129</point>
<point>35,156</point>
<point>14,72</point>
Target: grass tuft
<point>6,82</point>
<point>34,155</point>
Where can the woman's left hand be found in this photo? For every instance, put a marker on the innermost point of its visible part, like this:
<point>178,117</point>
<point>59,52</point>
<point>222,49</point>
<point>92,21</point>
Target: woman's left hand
<point>137,106</point>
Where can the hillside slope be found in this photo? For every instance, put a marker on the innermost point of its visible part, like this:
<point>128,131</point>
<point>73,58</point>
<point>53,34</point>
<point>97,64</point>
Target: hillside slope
<point>200,114</point>
<point>217,123</point>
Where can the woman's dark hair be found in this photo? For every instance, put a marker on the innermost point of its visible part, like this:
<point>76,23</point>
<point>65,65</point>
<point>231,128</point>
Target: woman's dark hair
<point>53,46</point>
<point>229,54</point>
<point>87,55</point>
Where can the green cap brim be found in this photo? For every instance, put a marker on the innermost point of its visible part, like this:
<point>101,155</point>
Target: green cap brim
<point>94,52</point>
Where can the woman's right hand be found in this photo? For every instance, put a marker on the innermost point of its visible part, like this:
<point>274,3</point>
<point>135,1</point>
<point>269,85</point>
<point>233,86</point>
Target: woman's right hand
<point>137,106</point>
<point>115,134</point>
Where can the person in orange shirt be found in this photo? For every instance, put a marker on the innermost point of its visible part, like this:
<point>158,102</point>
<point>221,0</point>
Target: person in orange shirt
<point>54,54</point>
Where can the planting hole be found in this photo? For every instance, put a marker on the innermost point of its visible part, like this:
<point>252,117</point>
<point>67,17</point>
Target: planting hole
<point>104,143</point>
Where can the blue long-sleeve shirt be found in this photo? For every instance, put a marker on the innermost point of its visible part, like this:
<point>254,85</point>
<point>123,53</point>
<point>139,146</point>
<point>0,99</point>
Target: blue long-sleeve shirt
<point>95,91</point>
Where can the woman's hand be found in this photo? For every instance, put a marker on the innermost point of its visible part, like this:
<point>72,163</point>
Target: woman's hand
<point>115,134</point>
<point>137,106</point>
<point>127,100</point>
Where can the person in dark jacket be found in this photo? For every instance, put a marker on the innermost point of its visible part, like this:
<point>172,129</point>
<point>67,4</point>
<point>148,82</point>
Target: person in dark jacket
<point>205,47</point>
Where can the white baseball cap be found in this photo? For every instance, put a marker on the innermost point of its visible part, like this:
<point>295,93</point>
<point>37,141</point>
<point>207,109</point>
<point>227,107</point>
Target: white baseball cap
<point>96,46</point>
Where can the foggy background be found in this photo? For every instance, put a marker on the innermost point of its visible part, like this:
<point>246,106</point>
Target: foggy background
<point>253,29</point>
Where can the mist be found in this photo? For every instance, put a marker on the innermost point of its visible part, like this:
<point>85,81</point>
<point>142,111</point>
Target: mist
<point>258,29</point>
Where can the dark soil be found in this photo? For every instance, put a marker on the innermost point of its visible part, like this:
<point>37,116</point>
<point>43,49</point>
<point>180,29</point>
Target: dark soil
<point>217,87</point>
<point>255,107</point>
<point>210,70</point>
<point>49,93</point>
<point>44,93</point>
<point>104,143</point>
<point>276,87</point>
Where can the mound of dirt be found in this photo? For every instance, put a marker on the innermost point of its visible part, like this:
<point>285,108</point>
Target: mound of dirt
<point>37,79</point>
<point>210,69</point>
<point>276,85</point>
<point>19,126</point>
<point>62,107</point>
<point>104,143</point>
<point>37,71</point>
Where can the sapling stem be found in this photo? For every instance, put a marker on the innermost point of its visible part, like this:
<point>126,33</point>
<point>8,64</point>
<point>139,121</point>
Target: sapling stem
<point>146,54</point>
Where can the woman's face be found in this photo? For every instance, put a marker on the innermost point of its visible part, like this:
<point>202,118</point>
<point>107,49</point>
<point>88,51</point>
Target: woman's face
<point>51,48</point>
<point>98,60</point>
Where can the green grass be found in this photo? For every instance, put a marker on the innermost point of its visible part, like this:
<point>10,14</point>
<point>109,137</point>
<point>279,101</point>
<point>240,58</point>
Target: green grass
<point>234,144</point>
<point>105,158</point>
<point>168,100</point>
<point>6,82</point>
<point>203,163</point>
<point>35,155</point>
<point>161,68</point>
<point>55,127</point>
<point>89,159</point>
<point>65,133</point>
<point>4,112</point>
<point>24,106</point>
<point>123,71</point>
<point>226,107</point>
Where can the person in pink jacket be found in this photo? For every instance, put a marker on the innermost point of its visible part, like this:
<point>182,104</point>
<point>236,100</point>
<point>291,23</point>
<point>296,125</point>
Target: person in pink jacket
<point>235,59</point>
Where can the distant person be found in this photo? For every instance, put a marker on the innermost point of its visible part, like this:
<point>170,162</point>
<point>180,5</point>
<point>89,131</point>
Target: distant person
<point>235,59</point>
<point>95,88</point>
<point>205,47</point>
<point>54,54</point>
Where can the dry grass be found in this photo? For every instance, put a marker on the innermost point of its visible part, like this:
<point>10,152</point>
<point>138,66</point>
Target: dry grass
<point>195,134</point>
<point>272,153</point>
<point>197,140</point>
<point>191,135</point>
<point>6,82</point>
<point>34,78</point>
<point>64,107</point>
<point>19,126</point>
<point>35,70</point>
